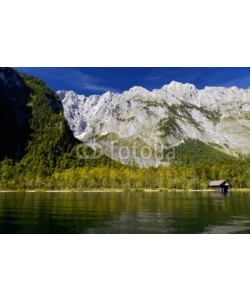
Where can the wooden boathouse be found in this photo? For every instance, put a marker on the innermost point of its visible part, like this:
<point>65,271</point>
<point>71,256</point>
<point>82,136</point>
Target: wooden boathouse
<point>220,185</point>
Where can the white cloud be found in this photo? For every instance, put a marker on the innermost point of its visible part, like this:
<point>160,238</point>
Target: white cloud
<point>69,78</point>
<point>78,80</point>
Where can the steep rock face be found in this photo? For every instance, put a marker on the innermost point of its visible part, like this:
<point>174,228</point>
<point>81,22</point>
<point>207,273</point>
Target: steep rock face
<point>14,113</point>
<point>136,125</point>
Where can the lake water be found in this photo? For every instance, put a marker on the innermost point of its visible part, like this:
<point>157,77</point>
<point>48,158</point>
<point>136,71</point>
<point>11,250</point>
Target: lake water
<point>125,212</point>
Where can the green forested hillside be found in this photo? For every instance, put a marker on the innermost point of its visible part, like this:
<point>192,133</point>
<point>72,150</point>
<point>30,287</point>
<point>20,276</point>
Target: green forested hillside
<point>37,124</point>
<point>38,150</point>
<point>195,152</point>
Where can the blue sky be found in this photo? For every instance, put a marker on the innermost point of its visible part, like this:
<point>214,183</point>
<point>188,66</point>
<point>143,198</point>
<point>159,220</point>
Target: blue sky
<point>99,80</point>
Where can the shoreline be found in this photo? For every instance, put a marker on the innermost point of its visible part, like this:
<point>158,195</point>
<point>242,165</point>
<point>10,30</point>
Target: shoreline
<point>117,190</point>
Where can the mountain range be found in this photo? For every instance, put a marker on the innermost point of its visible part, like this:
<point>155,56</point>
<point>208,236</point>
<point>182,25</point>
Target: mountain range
<point>138,126</point>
